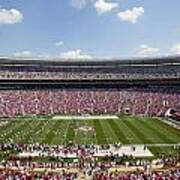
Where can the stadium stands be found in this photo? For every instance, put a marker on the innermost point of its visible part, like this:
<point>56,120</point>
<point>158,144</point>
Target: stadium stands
<point>32,167</point>
<point>90,70</point>
<point>87,101</point>
<point>11,174</point>
<point>97,97</point>
<point>171,175</point>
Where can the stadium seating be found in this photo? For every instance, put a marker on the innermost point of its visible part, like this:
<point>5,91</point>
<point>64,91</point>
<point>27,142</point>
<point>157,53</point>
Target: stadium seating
<point>32,167</point>
<point>171,175</point>
<point>122,72</point>
<point>153,101</point>
<point>139,101</point>
<point>12,174</point>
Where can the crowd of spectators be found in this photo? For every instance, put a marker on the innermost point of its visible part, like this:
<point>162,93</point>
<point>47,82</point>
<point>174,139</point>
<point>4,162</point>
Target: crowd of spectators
<point>167,175</point>
<point>88,101</point>
<point>65,73</point>
<point>24,175</point>
<point>39,167</point>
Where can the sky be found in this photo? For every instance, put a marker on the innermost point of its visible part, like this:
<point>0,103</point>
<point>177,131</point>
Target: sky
<point>89,28</point>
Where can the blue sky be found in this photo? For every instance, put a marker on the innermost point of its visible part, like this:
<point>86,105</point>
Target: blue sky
<point>89,28</point>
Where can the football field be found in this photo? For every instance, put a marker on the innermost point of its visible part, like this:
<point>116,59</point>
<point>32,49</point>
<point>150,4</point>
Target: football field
<point>125,130</point>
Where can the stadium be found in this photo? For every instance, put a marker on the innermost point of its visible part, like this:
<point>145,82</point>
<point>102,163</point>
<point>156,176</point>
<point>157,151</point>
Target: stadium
<point>90,119</point>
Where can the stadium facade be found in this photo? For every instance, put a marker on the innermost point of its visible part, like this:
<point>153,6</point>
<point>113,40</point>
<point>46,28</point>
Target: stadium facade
<point>42,87</point>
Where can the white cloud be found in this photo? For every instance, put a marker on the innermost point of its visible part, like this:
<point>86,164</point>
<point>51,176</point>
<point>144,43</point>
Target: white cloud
<point>25,53</point>
<point>10,16</point>
<point>44,56</point>
<point>30,54</point>
<point>75,54</point>
<point>175,49</point>
<point>131,15</point>
<point>145,50</point>
<point>1,56</point>
<point>78,3</point>
<point>59,43</point>
<point>102,6</point>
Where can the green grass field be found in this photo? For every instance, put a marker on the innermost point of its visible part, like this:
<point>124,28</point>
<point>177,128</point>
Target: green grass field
<point>127,130</point>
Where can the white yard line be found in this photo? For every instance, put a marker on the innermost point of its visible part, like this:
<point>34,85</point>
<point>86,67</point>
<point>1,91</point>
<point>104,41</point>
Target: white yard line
<point>65,134</point>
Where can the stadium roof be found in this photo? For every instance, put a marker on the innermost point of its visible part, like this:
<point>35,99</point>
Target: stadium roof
<point>24,61</point>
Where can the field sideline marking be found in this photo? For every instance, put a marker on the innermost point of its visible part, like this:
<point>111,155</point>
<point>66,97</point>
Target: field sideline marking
<point>100,117</point>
